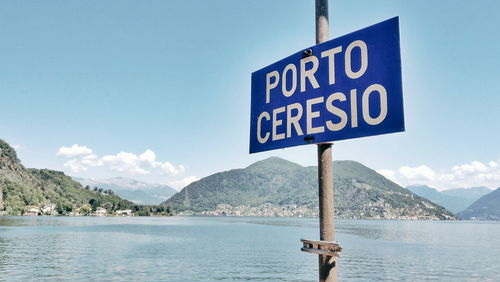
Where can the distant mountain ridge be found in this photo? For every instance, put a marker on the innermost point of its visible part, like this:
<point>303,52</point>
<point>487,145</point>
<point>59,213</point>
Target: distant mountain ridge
<point>133,190</point>
<point>360,192</point>
<point>485,208</point>
<point>455,200</point>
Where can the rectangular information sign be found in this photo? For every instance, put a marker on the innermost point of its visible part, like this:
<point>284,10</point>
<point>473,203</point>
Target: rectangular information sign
<point>345,88</point>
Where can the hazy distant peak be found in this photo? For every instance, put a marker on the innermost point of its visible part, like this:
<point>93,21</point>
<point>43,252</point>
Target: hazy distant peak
<point>421,187</point>
<point>480,188</point>
<point>123,182</point>
<point>455,200</point>
<point>134,190</point>
<point>461,192</point>
<point>452,190</point>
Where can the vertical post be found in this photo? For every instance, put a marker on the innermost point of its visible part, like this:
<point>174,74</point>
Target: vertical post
<point>321,21</point>
<point>327,264</point>
<point>328,270</point>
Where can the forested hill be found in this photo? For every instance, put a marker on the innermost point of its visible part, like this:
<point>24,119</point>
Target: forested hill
<point>22,190</point>
<point>359,191</point>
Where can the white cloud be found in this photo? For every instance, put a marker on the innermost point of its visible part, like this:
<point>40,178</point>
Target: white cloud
<point>469,169</point>
<point>75,166</point>
<point>471,174</point>
<point>387,173</point>
<point>90,157</point>
<point>179,184</point>
<point>91,160</point>
<point>140,164</point>
<point>125,162</point>
<point>422,172</point>
<point>171,169</point>
<point>73,151</point>
<point>148,156</point>
<point>446,177</point>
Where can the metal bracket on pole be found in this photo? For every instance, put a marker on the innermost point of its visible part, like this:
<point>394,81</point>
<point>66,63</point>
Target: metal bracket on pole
<point>326,248</point>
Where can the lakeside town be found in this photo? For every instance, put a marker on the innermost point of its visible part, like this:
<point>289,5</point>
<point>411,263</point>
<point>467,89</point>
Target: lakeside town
<point>85,210</point>
<point>270,210</point>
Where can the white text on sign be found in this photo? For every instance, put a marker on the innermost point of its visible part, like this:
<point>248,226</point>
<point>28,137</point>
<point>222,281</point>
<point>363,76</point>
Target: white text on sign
<point>286,120</point>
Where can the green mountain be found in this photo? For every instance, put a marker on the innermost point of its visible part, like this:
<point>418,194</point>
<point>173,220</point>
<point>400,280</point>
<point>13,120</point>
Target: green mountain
<point>455,200</point>
<point>486,208</point>
<point>23,188</point>
<point>359,191</point>
<point>135,191</point>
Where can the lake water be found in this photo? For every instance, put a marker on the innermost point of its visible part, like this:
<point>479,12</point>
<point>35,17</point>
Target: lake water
<point>242,248</point>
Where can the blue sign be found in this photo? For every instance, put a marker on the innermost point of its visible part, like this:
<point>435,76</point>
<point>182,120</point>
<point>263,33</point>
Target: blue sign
<point>348,87</point>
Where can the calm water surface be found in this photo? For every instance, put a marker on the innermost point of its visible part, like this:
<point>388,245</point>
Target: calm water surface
<point>235,248</point>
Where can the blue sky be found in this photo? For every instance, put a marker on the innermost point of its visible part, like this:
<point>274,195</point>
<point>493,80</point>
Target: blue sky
<point>160,90</point>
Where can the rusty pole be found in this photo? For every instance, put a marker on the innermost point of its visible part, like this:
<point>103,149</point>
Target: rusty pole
<point>327,264</point>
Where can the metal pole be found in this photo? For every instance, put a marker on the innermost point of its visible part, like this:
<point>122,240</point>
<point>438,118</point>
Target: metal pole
<point>328,270</point>
<point>321,21</point>
<point>327,264</point>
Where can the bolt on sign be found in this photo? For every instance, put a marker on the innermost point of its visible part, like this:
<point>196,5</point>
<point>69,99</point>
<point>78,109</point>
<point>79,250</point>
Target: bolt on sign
<point>345,88</point>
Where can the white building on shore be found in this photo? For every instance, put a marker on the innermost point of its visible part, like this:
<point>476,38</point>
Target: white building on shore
<point>100,211</point>
<point>124,212</point>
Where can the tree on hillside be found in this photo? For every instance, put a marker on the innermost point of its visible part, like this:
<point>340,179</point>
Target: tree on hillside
<point>94,204</point>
